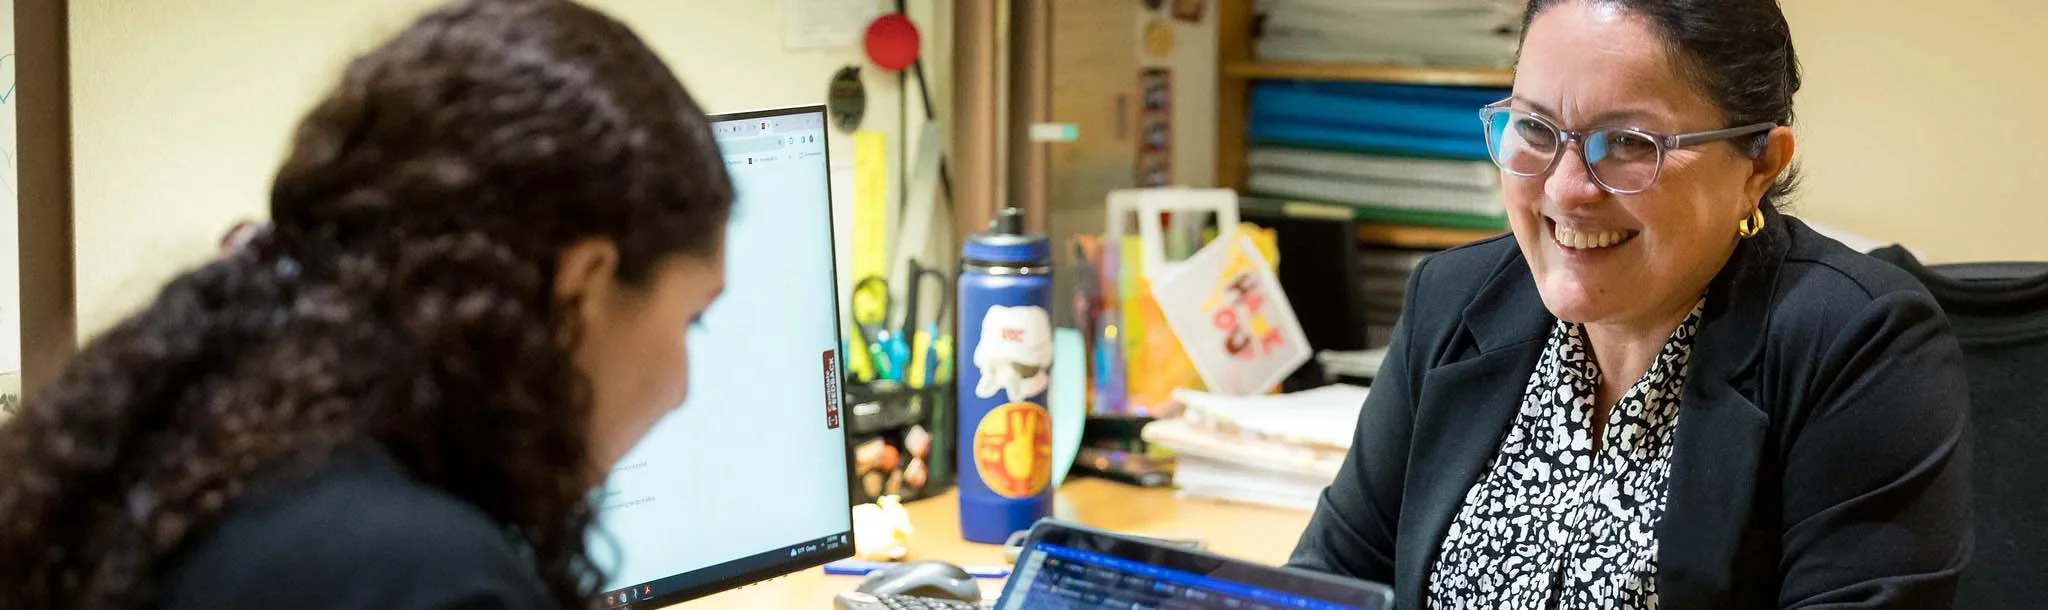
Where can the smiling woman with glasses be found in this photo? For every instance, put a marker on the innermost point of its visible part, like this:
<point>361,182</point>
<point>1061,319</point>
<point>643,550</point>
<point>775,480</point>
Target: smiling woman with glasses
<point>1658,391</point>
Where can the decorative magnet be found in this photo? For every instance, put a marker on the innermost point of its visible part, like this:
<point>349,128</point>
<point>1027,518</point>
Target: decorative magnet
<point>847,99</point>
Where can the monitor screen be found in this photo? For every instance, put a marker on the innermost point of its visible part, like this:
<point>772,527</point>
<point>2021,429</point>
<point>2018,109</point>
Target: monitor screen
<point>747,479</point>
<point>1074,568</point>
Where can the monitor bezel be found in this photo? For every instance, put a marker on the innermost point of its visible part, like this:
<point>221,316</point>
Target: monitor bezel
<point>809,560</point>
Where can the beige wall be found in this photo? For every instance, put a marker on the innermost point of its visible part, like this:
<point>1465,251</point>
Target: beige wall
<point>182,108</point>
<point>1087,83</point>
<point>1918,123</point>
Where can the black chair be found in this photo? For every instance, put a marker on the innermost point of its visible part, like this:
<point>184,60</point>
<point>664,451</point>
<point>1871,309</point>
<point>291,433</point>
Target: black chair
<point>2000,315</point>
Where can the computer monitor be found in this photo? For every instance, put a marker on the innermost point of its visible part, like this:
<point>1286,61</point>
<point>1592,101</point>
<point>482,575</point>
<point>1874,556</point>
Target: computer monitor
<point>748,478</point>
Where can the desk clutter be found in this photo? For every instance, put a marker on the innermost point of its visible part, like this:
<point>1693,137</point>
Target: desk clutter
<point>1191,335</point>
<point>1190,300</point>
<point>1278,450</point>
<point>1182,339</point>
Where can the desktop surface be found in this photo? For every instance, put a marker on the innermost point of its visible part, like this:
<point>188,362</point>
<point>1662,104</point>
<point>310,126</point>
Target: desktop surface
<point>747,479</point>
<point>1252,533</point>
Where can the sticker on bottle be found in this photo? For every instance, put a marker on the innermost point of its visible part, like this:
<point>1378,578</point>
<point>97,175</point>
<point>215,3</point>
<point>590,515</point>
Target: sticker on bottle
<point>1013,450</point>
<point>1014,355</point>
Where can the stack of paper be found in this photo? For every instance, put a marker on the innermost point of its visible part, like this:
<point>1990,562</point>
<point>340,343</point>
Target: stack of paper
<point>1277,450</point>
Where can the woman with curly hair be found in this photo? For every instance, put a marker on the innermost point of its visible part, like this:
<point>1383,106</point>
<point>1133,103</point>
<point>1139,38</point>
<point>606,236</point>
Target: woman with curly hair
<point>487,246</point>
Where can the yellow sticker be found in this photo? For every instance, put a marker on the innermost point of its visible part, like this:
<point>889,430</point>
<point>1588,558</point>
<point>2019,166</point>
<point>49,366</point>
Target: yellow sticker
<point>1158,39</point>
<point>1013,450</point>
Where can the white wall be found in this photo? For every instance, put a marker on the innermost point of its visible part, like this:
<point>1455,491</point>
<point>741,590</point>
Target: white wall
<point>182,108</point>
<point>1917,123</point>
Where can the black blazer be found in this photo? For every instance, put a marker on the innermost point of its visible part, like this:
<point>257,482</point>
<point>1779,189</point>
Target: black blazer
<point>1821,459</point>
<point>352,531</point>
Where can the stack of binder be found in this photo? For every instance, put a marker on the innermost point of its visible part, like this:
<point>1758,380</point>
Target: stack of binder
<point>1395,154</point>
<point>1383,287</point>
<point>1460,33</point>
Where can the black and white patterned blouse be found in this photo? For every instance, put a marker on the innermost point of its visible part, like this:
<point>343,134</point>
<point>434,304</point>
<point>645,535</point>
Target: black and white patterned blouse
<point>1553,525</point>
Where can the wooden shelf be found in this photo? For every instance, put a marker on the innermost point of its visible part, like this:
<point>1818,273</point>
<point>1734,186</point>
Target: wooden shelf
<point>1466,77</point>
<point>1419,238</point>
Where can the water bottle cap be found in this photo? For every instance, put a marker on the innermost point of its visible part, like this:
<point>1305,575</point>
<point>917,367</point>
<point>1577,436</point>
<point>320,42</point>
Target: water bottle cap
<point>1006,243</point>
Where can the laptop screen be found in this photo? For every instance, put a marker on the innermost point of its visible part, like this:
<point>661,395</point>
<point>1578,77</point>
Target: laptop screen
<point>1052,576</point>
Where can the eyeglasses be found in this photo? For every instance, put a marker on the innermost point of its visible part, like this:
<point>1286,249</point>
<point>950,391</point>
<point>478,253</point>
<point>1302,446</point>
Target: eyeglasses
<point>1622,160</point>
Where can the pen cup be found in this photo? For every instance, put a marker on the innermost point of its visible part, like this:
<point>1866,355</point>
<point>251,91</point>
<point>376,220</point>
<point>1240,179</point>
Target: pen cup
<point>902,440</point>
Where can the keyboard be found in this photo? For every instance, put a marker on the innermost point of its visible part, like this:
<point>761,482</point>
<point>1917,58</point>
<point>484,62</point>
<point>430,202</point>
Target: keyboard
<point>864,601</point>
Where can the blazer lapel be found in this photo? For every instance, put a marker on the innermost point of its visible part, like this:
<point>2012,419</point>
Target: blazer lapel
<point>1463,411</point>
<point>1722,433</point>
<point>1711,489</point>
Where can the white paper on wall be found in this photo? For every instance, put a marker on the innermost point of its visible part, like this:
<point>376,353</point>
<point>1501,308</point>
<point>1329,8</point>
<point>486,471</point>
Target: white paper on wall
<point>824,24</point>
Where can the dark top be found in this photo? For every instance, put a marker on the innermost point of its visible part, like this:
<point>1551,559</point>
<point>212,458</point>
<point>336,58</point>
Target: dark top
<point>354,532</point>
<point>1821,456</point>
<point>2003,326</point>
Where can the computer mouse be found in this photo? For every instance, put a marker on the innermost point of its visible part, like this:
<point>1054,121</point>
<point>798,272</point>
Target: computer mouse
<point>924,579</point>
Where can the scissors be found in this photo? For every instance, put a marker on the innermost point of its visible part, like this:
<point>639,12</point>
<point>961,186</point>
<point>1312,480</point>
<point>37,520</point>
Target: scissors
<point>923,338</point>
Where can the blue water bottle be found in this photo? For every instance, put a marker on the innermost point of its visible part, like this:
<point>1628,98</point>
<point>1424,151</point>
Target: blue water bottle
<point>1006,339</point>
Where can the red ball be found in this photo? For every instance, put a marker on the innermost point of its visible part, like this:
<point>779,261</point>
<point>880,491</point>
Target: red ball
<point>892,42</point>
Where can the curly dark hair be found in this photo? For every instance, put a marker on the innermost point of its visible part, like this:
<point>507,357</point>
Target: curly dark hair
<point>404,296</point>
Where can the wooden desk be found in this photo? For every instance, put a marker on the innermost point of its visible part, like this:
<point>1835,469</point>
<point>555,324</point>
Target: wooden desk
<point>1253,533</point>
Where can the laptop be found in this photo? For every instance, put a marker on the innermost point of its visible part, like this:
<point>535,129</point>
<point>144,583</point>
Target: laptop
<point>1066,566</point>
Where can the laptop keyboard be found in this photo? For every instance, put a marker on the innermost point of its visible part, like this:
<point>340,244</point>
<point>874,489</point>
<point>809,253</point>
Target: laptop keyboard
<point>908,602</point>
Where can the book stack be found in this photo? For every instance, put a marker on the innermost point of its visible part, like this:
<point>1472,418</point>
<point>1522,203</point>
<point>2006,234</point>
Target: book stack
<point>1456,33</point>
<point>1394,154</point>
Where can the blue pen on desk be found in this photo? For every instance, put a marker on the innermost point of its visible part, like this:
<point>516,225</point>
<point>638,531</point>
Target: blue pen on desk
<point>861,567</point>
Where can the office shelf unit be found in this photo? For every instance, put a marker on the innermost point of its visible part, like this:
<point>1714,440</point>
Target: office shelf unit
<point>1374,275</point>
<point>1237,69</point>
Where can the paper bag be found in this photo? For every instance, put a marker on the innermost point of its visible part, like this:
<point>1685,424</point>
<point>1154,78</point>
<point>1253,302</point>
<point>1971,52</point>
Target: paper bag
<point>1226,307</point>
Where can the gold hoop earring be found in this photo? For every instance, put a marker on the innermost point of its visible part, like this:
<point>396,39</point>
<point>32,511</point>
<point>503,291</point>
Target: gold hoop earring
<point>1749,227</point>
